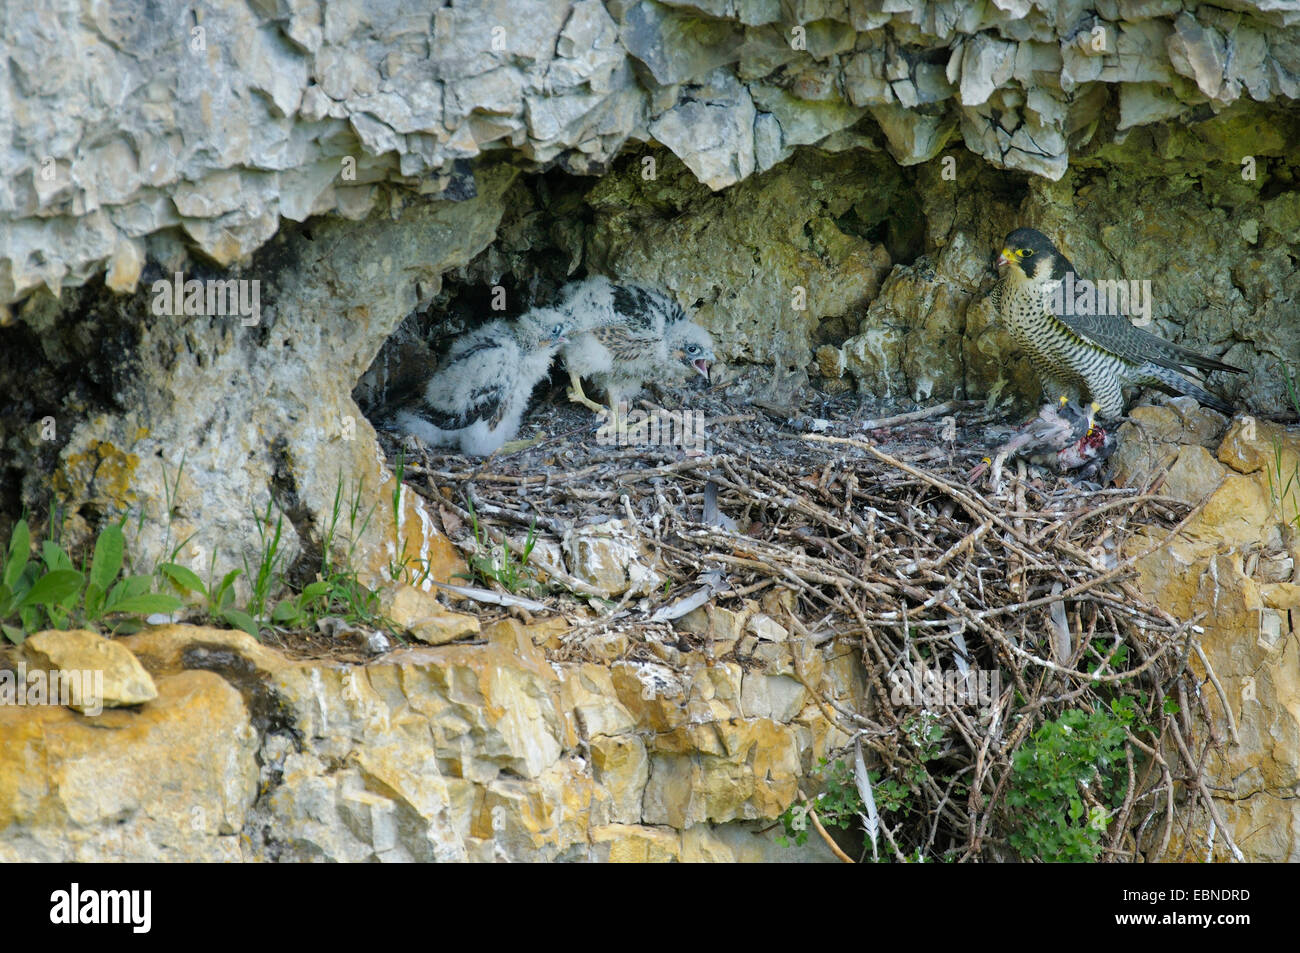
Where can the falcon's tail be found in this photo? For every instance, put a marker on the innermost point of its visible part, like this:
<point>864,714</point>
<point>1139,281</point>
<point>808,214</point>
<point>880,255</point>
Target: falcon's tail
<point>1171,382</point>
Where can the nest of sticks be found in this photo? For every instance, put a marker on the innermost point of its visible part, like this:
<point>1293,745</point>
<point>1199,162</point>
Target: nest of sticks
<point>883,549</point>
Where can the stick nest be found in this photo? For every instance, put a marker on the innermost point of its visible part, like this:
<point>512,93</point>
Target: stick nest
<point>870,538</point>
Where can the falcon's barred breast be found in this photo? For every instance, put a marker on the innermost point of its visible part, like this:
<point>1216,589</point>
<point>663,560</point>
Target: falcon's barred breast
<point>1094,354</point>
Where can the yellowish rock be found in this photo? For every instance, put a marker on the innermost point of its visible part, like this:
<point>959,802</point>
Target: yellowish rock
<point>426,618</point>
<point>612,557</point>
<point>633,844</point>
<point>1252,445</point>
<point>90,665</point>
<point>1194,475</point>
<point>173,780</point>
<point>830,361</point>
<point>621,766</point>
<point>1154,436</point>
<point>1280,595</point>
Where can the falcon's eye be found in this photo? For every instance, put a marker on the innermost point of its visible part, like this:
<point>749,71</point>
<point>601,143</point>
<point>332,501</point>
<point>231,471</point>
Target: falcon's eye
<point>557,330</point>
<point>1027,252</point>
<point>693,349</point>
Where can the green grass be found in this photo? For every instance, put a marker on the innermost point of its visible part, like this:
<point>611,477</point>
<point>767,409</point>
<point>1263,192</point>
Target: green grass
<point>496,562</point>
<point>1292,392</point>
<point>1284,487</point>
<point>52,592</point>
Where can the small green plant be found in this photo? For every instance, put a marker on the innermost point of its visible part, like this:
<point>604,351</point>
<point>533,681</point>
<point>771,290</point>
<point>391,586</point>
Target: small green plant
<point>397,568</point>
<point>219,599</point>
<point>493,562</point>
<point>335,591</point>
<point>1286,490</point>
<point>1065,759</point>
<point>346,595</point>
<point>53,593</point>
<point>839,804</point>
<point>1291,390</point>
<point>270,564</point>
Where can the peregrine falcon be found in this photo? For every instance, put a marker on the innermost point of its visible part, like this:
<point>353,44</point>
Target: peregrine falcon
<point>626,336</point>
<point>1098,354</point>
<point>1063,437</point>
<point>480,391</point>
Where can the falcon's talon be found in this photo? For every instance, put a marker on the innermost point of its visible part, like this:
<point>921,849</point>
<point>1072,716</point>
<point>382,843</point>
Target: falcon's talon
<point>579,396</point>
<point>514,446</point>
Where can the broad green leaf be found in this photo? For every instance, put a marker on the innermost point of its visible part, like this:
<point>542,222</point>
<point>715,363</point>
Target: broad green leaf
<point>107,561</point>
<point>94,600</point>
<point>182,578</point>
<point>314,590</point>
<point>148,603</point>
<point>53,588</point>
<point>142,583</point>
<point>241,620</point>
<point>19,546</point>
<point>14,634</point>
<point>225,592</point>
<point>285,612</point>
<point>54,556</point>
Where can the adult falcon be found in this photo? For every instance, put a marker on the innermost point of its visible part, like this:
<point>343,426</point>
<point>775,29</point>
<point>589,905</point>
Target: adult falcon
<point>1098,354</point>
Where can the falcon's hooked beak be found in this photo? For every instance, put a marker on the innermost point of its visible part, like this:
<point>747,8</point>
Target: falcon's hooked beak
<point>1004,258</point>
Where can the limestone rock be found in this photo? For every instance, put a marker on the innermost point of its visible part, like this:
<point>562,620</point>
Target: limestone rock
<point>711,129</point>
<point>172,781</point>
<point>1155,437</point>
<point>612,558</point>
<point>424,616</point>
<point>1243,635</point>
<point>118,678</point>
<point>471,752</point>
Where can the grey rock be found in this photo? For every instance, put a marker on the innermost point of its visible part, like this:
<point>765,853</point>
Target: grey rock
<point>675,48</point>
<point>711,129</point>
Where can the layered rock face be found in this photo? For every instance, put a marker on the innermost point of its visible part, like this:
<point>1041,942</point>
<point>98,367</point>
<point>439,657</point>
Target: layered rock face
<point>186,136</point>
<point>206,125</point>
<point>820,182</point>
<point>482,752</point>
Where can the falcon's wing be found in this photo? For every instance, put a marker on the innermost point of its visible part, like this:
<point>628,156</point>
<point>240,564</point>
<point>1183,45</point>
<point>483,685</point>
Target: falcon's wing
<point>1117,334</point>
<point>995,297</point>
<point>481,403</point>
<point>626,343</point>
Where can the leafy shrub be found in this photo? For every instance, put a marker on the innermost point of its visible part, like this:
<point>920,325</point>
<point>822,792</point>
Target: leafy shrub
<point>1064,759</point>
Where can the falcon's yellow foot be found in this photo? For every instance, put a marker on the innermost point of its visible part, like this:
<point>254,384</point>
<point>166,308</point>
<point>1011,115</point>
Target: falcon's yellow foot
<point>576,394</point>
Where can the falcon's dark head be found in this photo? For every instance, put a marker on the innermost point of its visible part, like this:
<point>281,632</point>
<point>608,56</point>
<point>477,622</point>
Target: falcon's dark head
<point>1027,254</point>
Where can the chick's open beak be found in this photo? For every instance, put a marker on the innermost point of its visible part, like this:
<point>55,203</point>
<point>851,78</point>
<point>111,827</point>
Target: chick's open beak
<point>700,364</point>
